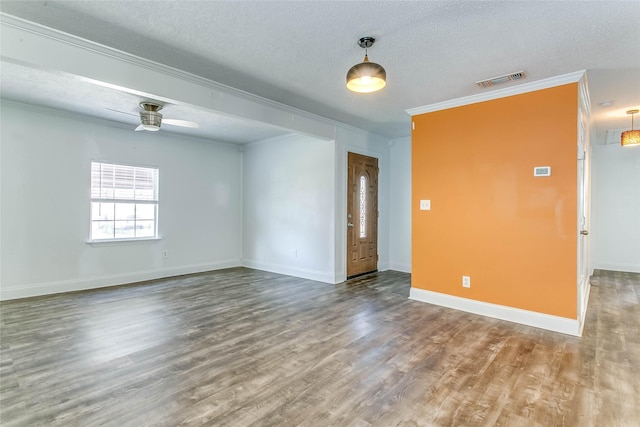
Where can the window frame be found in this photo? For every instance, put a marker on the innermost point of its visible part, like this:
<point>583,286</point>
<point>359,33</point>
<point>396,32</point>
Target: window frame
<point>121,201</point>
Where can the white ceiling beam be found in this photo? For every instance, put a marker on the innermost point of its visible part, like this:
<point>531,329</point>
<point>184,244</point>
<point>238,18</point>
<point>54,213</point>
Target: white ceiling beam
<point>36,46</point>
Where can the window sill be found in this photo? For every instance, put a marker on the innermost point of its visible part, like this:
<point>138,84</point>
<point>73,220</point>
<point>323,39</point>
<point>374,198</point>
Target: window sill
<point>117,242</point>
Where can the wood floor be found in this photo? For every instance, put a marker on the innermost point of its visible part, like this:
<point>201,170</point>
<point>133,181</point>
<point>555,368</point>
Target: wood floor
<point>241,347</point>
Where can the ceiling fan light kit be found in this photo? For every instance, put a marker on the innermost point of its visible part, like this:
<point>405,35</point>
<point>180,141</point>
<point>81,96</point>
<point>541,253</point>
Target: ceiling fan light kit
<point>151,119</point>
<point>631,138</point>
<point>366,77</point>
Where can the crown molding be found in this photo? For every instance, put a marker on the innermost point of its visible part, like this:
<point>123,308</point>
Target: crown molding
<point>500,93</point>
<point>583,87</point>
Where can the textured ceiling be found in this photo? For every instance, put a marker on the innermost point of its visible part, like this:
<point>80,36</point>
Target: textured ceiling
<point>67,92</point>
<point>297,53</point>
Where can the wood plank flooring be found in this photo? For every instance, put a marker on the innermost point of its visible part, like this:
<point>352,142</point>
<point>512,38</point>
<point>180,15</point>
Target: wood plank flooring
<point>241,347</point>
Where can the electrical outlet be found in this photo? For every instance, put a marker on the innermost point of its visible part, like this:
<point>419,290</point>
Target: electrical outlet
<point>295,253</point>
<point>165,254</point>
<point>425,205</point>
<point>466,281</point>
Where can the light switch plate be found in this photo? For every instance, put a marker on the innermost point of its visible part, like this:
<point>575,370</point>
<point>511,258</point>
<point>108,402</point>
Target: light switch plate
<point>425,205</point>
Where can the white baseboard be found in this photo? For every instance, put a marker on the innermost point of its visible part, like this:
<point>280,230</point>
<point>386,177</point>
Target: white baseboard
<point>32,290</point>
<point>530,318</point>
<point>398,266</point>
<point>627,268</point>
<point>319,276</point>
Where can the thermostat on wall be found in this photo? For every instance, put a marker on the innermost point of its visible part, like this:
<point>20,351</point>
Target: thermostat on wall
<point>542,171</point>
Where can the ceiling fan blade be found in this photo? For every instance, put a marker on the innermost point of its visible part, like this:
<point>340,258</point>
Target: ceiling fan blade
<point>122,112</point>
<point>139,128</point>
<point>183,123</point>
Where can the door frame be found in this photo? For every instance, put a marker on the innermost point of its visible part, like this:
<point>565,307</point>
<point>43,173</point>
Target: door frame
<point>369,264</point>
<point>583,216</point>
<point>342,159</point>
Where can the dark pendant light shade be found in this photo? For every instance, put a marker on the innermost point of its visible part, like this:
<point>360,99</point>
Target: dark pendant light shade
<point>366,76</point>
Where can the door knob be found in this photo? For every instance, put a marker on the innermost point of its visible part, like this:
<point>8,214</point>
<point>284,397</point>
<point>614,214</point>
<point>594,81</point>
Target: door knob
<point>349,225</point>
<point>584,232</point>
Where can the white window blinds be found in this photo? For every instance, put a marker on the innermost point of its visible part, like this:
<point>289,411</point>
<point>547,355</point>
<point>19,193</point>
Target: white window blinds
<point>120,182</point>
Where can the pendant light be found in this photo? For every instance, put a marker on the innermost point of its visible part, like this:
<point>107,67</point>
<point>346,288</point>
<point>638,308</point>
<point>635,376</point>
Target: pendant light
<point>630,137</point>
<point>366,76</point>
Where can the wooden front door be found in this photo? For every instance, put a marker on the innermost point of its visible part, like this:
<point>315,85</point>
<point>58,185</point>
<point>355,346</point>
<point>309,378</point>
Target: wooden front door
<point>362,215</point>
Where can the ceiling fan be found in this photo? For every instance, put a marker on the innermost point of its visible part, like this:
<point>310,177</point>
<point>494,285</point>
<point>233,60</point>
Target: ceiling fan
<point>151,119</point>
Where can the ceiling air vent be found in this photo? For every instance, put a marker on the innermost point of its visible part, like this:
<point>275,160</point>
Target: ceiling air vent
<point>613,136</point>
<point>518,75</point>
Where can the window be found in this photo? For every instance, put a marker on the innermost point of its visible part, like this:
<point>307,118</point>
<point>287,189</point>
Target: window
<point>124,202</point>
<point>363,207</point>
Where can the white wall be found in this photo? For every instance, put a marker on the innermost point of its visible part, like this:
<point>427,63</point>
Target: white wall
<point>44,222</point>
<point>615,205</point>
<point>400,206</point>
<point>278,206</point>
<point>289,207</point>
<point>293,180</point>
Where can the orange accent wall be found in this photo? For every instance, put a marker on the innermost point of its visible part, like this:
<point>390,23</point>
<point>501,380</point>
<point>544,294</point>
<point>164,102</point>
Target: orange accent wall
<point>514,234</point>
